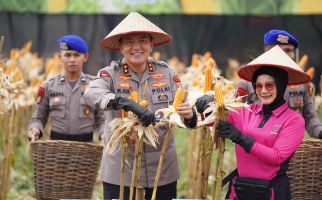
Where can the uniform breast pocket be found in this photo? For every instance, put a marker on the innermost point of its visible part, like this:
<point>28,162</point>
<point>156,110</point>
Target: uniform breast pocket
<point>161,100</point>
<point>57,106</point>
<point>85,111</point>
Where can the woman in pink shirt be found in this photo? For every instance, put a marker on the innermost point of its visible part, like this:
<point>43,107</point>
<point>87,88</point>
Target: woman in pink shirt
<point>268,134</point>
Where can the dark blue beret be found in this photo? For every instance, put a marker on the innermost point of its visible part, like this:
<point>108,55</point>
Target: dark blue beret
<point>279,37</point>
<point>72,42</point>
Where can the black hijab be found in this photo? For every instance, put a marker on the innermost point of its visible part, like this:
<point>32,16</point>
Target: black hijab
<point>280,77</point>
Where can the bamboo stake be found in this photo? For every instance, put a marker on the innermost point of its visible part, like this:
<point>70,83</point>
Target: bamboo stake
<point>201,185</point>
<point>191,161</point>
<point>221,151</point>
<point>134,168</point>
<point>138,194</point>
<point>198,165</point>
<point>9,137</point>
<point>121,195</point>
<point>163,151</point>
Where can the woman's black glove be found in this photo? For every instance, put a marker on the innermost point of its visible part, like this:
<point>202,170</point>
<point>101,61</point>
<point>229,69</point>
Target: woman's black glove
<point>202,103</point>
<point>145,115</point>
<point>227,130</point>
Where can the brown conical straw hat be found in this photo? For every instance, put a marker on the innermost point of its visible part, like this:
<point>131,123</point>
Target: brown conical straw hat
<point>134,23</point>
<point>275,57</point>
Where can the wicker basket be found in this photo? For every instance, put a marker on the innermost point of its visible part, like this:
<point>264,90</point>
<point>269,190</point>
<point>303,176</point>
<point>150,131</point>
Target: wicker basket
<point>65,169</point>
<point>305,171</point>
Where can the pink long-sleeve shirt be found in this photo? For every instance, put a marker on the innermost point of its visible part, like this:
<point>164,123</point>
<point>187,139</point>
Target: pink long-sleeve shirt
<point>274,143</point>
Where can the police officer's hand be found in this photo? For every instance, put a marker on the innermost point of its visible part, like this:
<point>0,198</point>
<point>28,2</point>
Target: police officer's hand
<point>202,103</point>
<point>145,115</point>
<point>229,131</point>
<point>33,134</point>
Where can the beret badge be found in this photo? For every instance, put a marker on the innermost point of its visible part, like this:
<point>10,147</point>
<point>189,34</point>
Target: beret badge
<point>63,46</point>
<point>282,39</point>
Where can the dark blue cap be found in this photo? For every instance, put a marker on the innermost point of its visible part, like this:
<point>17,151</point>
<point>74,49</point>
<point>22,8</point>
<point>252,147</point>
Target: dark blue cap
<point>279,37</point>
<point>72,42</point>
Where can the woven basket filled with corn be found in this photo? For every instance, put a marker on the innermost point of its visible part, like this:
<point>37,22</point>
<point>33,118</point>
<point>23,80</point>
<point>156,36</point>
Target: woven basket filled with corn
<point>65,169</point>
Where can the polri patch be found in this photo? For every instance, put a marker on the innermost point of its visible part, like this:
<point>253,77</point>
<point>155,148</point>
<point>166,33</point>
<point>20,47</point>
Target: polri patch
<point>160,90</point>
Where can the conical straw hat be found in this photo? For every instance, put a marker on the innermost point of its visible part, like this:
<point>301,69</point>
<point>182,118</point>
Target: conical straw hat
<point>275,57</point>
<point>134,23</point>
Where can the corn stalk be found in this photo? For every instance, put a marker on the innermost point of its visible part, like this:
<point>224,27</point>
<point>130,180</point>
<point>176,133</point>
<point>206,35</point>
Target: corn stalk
<point>220,161</point>
<point>161,159</point>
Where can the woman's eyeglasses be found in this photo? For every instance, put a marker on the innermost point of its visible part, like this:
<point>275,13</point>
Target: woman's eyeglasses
<point>269,86</point>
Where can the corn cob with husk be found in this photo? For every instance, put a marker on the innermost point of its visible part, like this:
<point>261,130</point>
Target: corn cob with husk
<point>179,99</point>
<point>310,85</point>
<point>303,61</point>
<point>206,143</point>
<point>219,97</point>
<point>310,72</point>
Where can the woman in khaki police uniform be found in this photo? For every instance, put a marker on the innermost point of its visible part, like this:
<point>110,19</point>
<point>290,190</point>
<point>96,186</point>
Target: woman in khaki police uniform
<point>298,97</point>
<point>135,37</point>
<point>62,99</point>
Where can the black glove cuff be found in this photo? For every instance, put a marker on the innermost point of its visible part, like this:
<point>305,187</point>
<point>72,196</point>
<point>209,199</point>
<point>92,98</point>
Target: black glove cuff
<point>246,142</point>
<point>192,123</point>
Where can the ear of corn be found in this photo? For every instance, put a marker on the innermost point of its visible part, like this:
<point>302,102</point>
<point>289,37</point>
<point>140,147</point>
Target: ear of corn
<point>302,63</point>
<point>194,61</point>
<point>310,72</point>
<point>219,96</point>
<point>228,87</point>
<point>144,103</point>
<point>134,95</point>
<point>208,79</point>
<point>178,99</point>
<point>207,55</point>
<point>211,63</point>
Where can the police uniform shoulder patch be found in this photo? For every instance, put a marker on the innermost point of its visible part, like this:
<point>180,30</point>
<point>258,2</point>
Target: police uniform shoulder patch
<point>40,95</point>
<point>104,74</point>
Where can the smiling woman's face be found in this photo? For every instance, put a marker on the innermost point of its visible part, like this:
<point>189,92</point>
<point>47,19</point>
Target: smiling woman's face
<point>136,49</point>
<point>265,89</point>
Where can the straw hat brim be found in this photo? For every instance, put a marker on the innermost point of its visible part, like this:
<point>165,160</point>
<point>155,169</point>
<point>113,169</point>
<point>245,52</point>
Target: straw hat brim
<point>275,57</point>
<point>113,42</point>
<point>295,77</point>
<point>131,24</point>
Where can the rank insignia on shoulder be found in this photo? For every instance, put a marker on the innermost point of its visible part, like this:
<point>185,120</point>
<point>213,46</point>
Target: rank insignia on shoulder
<point>125,85</point>
<point>158,75</point>
<point>124,78</point>
<point>125,69</point>
<point>150,68</point>
<point>87,111</point>
<point>159,84</point>
<point>104,74</point>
